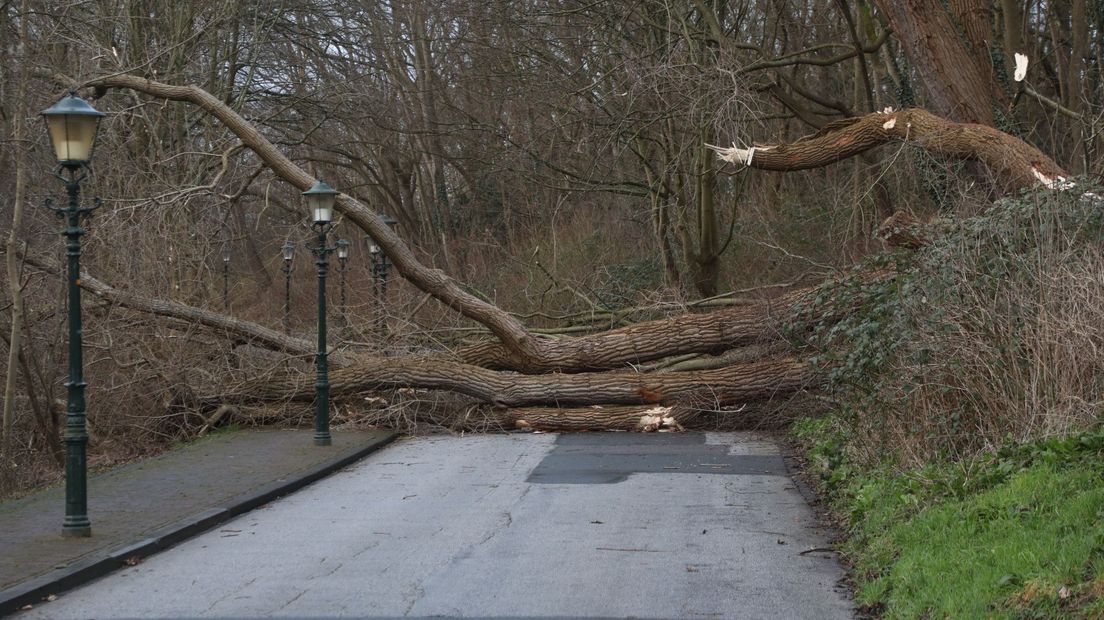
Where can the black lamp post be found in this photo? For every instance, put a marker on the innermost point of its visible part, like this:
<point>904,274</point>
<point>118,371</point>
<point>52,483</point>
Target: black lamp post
<point>320,200</point>
<point>72,124</point>
<point>377,304</point>
<point>289,255</point>
<point>384,262</point>
<point>380,268</point>
<point>343,260</point>
<point>226,279</point>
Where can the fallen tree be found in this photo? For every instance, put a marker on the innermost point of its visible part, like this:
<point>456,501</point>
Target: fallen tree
<point>736,383</point>
<point>1014,163</point>
<point>593,381</point>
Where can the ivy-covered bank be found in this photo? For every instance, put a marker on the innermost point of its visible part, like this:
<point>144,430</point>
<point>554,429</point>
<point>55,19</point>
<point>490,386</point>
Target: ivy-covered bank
<point>964,454</point>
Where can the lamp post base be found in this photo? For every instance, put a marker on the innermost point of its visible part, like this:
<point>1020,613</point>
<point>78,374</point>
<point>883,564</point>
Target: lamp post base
<point>322,440</point>
<point>77,529</point>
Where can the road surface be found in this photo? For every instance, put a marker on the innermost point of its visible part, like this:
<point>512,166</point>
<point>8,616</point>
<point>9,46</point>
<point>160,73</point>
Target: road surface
<point>602,525</point>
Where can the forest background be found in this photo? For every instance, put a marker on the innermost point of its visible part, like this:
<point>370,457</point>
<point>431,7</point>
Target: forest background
<point>553,158</point>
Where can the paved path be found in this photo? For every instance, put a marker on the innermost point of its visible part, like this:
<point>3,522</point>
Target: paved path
<point>140,506</point>
<point>609,525</point>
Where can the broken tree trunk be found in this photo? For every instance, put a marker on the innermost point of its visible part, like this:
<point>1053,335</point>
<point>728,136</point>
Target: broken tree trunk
<point>597,418</point>
<point>1014,163</point>
<point>519,349</point>
<point>738,383</point>
<point>731,384</point>
<point>711,332</point>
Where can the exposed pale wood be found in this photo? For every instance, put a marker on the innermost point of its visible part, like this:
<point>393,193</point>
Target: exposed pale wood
<point>596,418</point>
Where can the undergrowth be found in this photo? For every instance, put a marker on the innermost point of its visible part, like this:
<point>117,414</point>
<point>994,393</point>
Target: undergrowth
<point>994,330</point>
<point>965,452</point>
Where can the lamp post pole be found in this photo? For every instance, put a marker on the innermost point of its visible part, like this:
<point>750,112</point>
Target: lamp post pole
<point>289,254</point>
<point>384,268</point>
<point>380,266</point>
<point>343,267</point>
<point>322,383</point>
<point>377,302</point>
<point>321,197</point>
<point>77,523</point>
<point>73,124</point>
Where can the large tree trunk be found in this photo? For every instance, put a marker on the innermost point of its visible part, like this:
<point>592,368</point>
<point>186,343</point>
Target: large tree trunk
<point>959,90</point>
<point>976,18</point>
<point>738,383</point>
<point>636,344</point>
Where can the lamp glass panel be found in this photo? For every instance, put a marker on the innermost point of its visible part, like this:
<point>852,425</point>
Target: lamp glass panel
<point>322,212</point>
<point>289,251</point>
<point>72,136</point>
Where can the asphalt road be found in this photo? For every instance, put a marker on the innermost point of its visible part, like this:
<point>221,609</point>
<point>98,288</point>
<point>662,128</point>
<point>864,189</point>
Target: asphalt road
<point>609,525</point>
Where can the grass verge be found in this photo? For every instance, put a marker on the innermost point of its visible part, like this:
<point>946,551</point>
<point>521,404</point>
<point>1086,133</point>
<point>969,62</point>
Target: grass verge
<point>1014,534</point>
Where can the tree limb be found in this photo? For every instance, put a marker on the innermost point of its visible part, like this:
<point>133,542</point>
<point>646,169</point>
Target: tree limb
<point>1015,163</point>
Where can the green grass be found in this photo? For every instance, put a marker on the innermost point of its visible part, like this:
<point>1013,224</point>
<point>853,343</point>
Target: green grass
<point>1018,534</point>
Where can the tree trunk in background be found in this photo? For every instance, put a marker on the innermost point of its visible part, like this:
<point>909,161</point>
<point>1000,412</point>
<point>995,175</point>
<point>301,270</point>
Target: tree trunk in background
<point>11,262</point>
<point>426,82</point>
<point>976,17</point>
<point>1012,19</point>
<point>1076,84</point>
<point>959,91</point>
<point>707,259</point>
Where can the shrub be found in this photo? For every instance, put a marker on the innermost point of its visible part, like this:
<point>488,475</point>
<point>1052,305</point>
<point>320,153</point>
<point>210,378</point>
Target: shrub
<point>994,331</point>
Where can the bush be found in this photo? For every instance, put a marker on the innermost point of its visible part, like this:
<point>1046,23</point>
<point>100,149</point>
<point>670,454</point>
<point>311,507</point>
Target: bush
<point>994,331</point>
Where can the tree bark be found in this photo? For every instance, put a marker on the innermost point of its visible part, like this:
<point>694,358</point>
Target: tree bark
<point>1014,163</point>
<point>976,17</point>
<point>596,418</point>
<point>643,342</point>
<point>12,266</point>
<point>958,89</point>
<point>738,383</point>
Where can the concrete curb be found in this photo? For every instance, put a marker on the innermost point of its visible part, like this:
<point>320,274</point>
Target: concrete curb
<point>36,590</point>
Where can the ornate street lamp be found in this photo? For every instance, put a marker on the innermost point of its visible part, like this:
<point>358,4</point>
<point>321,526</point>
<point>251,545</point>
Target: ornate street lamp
<point>380,268</point>
<point>289,255</point>
<point>72,125</point>
<point>343,259</point>
<point>377,303</point>
<point>226,279</point>
<point>320,199</point>
<point>384,262</point>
